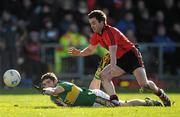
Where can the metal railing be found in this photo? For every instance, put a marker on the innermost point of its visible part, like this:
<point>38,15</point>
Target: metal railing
<point>148,50</point>
<point>160,55</point>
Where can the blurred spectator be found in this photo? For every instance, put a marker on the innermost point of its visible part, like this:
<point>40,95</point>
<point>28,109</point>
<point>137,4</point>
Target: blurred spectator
<point>140,8</point>
<point>131,36</point>
<point>32,65</point>
<point>91,5</point>
<point>8,33</point>
<point>22,29</point>
<point>110,20</point>
<point>3,64</point>
<point>169,50</point>
<point>126,23</point>
<point>65,23</point>
<point>171,12</point>
<point>127,7</point>
<point>82,7</point>
<point>159,19</point>
<point>86,31</point>
<point>162,38</point>
<point>79,15</point>
<point>21,39</point>
<point>49,33</point>
<point>175,32</point>
<point>70,38</point>
<point>8,39</point>
<point>104,4</point>
<point>44,12</point>
<point>26,10</point>
<point>2,45</point>
<point>118,4</point>
<point>145,27</point>
<point>117,7</point>
<point>68,5</point>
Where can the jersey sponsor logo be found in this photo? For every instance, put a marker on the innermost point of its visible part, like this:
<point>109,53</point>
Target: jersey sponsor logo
<point>72,95</point>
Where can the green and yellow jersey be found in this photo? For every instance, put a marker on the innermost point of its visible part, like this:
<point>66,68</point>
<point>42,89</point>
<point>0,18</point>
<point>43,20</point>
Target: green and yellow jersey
<point>74,95</point>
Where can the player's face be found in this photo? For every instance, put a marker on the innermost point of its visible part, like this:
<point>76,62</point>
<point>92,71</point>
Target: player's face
<point>96,25</point>
<point>48,83</point>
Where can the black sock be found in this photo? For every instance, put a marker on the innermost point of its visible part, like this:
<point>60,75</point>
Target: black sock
<point>159,92</point>
<point>114,97</point>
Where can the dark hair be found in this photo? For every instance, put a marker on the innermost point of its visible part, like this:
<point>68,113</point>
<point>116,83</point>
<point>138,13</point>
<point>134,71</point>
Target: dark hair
<point>50,76</point>
<point>98,14</point>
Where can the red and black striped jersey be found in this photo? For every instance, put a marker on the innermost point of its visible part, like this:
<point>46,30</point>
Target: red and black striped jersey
<point>112,36</point>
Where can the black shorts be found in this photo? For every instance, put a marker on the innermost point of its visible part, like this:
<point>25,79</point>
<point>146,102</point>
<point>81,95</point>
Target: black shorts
<point>130,61</point>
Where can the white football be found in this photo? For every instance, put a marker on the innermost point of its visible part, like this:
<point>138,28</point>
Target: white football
<point>11,78</point>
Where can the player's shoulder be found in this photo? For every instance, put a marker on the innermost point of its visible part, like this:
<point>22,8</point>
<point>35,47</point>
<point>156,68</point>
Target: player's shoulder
<point>112,28</point>
<point>64,83</point>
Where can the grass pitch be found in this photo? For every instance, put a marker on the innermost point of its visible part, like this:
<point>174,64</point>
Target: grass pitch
<point>14,103</point>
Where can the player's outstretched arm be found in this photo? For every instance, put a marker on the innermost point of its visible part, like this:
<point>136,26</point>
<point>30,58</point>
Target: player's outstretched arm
<point>85,52</point>
<point>53,91</point>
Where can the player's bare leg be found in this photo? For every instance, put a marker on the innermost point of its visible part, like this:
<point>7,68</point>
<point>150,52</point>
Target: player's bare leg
<point>96,82</point>
<point>141,77</point>
<point>106,77</point>
<point>106,81</point>
<point>139,102</point>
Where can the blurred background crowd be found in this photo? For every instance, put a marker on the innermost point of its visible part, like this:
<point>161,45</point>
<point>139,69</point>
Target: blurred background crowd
<point>27,25</point>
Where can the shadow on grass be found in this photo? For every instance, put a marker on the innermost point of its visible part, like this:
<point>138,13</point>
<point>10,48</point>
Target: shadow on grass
<point>45,107</point>
<point>24,91</point>
<point>20,91</point>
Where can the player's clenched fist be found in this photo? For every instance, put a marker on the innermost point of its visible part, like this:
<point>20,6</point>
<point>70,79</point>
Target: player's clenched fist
<point>74,51</point>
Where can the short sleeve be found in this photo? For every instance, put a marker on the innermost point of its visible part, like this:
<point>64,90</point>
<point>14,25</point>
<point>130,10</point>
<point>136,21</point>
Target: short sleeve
<point>65,85</point>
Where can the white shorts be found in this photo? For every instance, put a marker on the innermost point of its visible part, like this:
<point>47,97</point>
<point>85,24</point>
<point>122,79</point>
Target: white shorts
<point>100,93</point>
<point>104,95</point>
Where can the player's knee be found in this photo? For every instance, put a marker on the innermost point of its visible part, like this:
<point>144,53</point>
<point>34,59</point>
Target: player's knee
<point>105,79</point>
<point>102,76</point>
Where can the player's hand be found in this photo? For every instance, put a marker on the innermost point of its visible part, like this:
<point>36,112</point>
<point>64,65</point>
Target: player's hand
<point>74,51</point>
<point>48,91</point>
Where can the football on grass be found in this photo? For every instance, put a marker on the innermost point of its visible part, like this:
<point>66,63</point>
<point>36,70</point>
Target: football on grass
<point>11,78</point>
